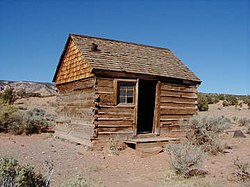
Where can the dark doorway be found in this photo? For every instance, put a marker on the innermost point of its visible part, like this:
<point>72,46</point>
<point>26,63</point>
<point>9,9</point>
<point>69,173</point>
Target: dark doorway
<point>146,105</point>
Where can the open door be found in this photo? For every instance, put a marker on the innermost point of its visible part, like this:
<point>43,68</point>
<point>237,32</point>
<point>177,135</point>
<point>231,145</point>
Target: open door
<point>146,104</point>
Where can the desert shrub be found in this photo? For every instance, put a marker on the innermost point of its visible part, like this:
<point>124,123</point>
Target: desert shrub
<point>8,96</point>
<point>212,99</point>
<point>21,93</point>
<point>204,132</point>
<point>244,122</point>
<point>242,170</point>
<point>8,115</point>
<point>184,156</point>
<point>14,175</point>
<point>221,97</point>
<point>35,121</point>
<point>225,103</point>
<point>202,102</point>
<point>16,122</point>
<point>232,100</point>
<point>77,182</point>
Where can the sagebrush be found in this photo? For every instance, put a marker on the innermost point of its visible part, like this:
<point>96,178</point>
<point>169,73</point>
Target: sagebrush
<point>185,156</point>
<point>204,132</point>
<point>12,174</point>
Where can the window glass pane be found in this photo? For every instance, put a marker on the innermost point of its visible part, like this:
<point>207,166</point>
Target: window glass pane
<point>123,93</point>
<point>122,99</point>
<point>130,93</point>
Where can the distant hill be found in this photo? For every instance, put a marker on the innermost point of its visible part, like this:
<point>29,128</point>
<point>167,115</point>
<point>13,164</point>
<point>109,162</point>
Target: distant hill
<point>43,88</point>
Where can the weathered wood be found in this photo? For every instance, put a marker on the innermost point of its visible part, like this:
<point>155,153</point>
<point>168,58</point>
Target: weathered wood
<point>178,88</point>
<point>178,94</point>
<point>177,100</point>
<point>115,95</point>
<point>69,70</point>
<point>179,105</point>
<point>136,108</point>
<point>178,111</point>
<point>156,127</point>
<point>121,122</point>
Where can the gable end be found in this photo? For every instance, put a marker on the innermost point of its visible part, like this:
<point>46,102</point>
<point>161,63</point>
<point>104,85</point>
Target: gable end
<point>72,65</point>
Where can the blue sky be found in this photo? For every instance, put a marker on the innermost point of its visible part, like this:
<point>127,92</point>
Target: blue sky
<point>212,37</point>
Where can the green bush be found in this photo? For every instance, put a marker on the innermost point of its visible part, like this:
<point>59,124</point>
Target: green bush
<point>14,175</point>
<point>232,100</point>
<point>202,102</point>
<point>184,156</point>
<point>204,132</point>
<point>8,116</point>
<point>8,96</point>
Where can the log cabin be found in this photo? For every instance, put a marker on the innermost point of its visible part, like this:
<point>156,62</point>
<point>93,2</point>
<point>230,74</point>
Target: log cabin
<point>114,88</point>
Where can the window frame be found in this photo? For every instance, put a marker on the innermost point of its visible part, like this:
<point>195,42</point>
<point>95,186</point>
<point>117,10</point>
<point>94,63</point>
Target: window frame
<point>117,83</point>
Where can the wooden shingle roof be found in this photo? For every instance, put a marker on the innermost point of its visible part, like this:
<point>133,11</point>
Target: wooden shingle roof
<point>127,57</point>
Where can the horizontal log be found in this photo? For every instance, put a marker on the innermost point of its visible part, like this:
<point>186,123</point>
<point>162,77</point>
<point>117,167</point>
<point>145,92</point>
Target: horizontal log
<point>172,87</point>
<point>121,122</point>
<point>115,133</point>
<point>178,117</point>
<point>178,94</point>
<point>178,111</point>
<point>105,82</point>
<point>114,119</point>
<point>176,99</point>
<point>119,129</point>
<point>101,89</point>
<point>174,104</point>
<point>114,126</point>
<point>177,108</point>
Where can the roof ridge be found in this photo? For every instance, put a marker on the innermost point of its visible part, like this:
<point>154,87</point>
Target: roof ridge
<point>113,40</point>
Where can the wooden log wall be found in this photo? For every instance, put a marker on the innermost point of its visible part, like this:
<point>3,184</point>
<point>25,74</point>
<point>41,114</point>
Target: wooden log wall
<point>76,109</point>
<point>110,118</point>
<point>74,66</point>
<point>177,102</point>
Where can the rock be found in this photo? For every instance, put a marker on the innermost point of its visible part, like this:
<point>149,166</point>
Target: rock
<point>239,134</point>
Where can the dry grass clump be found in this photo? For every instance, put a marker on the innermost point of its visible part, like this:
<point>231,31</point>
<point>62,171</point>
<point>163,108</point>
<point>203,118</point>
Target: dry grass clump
<point>242,170</point>
<point>205,130</point>
<point>185,156</point>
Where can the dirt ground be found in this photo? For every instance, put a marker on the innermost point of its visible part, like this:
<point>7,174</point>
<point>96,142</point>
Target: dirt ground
<point>102,168</point>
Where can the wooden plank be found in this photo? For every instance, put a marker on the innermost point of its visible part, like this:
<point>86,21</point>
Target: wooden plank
<point>178,111</point>
<point>104,89</point>
<point>115,88</point>
<point>114,126</point>
<point>104,82</point>
<point>175,116</point>
<point>179,105</point>
<point>172,87</point>
<point>156,126</point>
<point>114,119</point>
<point>177,100</point>
<point>178,94</point>
<point>121,122</point>
<point>136,108</point>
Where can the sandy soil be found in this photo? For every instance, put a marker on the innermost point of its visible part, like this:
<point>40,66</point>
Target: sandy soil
<point>102,168</point>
